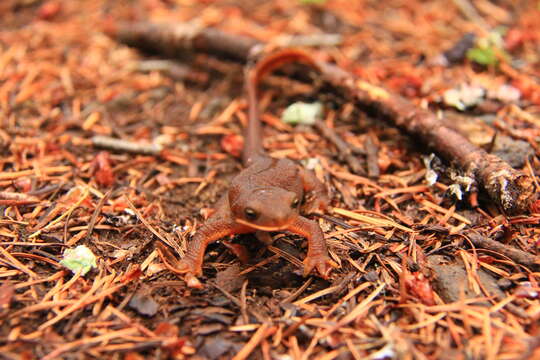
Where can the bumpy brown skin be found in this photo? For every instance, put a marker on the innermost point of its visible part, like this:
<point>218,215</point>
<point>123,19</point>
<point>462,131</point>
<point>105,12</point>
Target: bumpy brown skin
<point>267,195</point>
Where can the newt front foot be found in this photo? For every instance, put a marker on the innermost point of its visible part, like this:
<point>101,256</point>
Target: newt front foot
<point>322,262</point>
<point>191,271</point>
<point>192,281</point>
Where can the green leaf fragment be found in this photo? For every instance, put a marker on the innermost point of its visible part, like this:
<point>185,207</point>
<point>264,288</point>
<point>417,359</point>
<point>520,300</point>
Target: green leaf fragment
<point>489,50</point>
<point>302,113</point>
<point>483,56</point>
<point>81,259</point>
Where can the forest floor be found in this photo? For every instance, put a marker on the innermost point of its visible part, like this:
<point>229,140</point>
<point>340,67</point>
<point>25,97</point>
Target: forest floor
<point>420,273</point>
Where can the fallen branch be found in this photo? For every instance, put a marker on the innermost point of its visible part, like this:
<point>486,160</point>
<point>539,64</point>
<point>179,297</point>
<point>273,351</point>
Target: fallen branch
<point>115,144</point>
<point>14,199</point>
<point>519,256</point>
<point>512,190</point>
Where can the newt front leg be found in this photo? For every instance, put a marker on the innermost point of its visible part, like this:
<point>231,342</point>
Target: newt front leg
<point>217,226</point>
<point>317,255</point>
<point>191,264</point>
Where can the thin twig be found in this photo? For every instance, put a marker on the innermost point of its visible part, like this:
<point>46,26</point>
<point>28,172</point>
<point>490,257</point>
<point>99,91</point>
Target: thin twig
<point>114,144</point>
<point>344,149</point>
<point>517,255</point>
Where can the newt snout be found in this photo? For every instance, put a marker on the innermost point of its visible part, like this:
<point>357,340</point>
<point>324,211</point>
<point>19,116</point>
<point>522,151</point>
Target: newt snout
<point>268,209</point>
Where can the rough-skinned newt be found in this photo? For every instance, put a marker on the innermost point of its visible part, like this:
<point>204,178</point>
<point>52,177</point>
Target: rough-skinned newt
<point>269,194</point>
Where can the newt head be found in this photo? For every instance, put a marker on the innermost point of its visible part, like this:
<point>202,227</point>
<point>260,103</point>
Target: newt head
<point>267,209</point>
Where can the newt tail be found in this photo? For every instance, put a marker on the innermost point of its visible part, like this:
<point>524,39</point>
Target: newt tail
<point>253,137</point>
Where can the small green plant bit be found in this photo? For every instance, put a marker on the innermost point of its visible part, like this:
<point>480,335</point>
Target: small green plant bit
<point>489,50</point>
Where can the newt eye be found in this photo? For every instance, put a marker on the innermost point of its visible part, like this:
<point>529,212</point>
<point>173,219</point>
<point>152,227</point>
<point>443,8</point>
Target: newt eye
<point>250,214</point>
<point>295,203</point>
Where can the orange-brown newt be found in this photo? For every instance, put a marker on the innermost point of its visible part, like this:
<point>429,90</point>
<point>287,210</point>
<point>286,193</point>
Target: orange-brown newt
<point>268,195</point>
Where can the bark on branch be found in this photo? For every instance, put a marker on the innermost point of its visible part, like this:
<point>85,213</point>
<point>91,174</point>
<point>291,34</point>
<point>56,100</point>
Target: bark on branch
<point>512,190</point>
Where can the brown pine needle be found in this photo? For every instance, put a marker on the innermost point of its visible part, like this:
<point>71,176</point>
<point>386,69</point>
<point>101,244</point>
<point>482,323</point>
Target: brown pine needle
<point>255,340</point>
<point>359,310</point>
<point>370,220</point>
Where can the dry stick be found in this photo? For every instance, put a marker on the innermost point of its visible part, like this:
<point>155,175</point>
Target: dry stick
<point>372,155</point>
<point>517,255</point>
<point>243,299</point>
<point>174,70</point>
<point>512,190</point>
<point>110,143</point>
<point>15,199</point>
<point>344,149</point>
<point>174,40</point>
